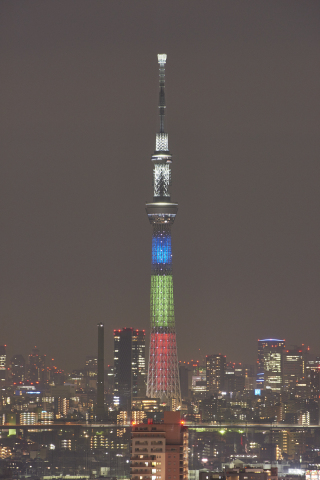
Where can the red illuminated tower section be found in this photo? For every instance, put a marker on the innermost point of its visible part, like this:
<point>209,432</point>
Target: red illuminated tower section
<point>163,373</point>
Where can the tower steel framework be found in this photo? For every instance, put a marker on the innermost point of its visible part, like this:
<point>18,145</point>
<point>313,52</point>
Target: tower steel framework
<point>163,373</point>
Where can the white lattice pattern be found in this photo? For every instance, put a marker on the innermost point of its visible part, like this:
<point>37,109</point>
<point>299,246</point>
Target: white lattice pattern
<point>162,142</point>
<point>161,180</point>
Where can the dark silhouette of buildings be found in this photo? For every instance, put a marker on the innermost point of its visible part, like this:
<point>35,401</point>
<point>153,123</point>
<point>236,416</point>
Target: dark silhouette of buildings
<point>100,376</point>
<point>17,368</point>
<point>129,366</point>
<point>36,371</point>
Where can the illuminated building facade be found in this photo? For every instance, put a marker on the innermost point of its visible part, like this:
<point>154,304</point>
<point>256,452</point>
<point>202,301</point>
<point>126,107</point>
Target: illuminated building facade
<point>129,366</point>
<point>273,366</point>
<point>163,374</point>
<point>28,418</point>
<point>46,418</point>
<point>294,366</point>
<point>215,373</point>
<point>3,363</point>
<point>262,344</point>
<point>159,451</point>
<point>5,452</point>
<point>62,406</point>
<point>198,381</point>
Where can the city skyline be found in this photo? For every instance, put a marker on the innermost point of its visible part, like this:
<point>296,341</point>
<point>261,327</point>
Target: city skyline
<point>78,121</point>
<point>199,361</point>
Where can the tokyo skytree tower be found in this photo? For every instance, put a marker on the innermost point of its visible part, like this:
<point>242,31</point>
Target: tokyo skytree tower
<point>163,372</point>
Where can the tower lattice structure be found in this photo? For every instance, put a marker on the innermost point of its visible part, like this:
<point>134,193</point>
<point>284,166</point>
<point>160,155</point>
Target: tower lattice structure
<point>163,372</point>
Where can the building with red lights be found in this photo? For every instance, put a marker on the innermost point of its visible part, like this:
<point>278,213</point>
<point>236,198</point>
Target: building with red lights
<point>159,451</point>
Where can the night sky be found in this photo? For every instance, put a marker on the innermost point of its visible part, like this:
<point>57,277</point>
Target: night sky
<point>78,99</point>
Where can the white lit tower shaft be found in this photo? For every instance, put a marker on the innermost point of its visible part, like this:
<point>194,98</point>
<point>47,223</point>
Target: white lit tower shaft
<point>163,373</point>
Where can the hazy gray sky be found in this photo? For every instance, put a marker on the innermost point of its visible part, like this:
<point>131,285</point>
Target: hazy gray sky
<point>79,90</point>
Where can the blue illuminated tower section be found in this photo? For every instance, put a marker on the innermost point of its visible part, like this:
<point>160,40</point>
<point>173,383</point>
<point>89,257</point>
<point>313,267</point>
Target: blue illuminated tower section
<point>163,373</point>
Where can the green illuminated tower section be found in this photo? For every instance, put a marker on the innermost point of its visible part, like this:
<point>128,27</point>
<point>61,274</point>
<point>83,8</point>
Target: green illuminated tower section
<point>163,373</point>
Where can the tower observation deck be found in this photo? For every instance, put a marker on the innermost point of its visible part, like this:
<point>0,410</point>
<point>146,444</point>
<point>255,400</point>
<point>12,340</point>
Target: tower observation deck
<point>163,373</point>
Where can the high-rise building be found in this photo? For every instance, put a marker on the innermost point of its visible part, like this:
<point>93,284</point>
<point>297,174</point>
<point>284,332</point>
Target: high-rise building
<point>294,365</point>
<point>91,371</point>
<point>198,381</point>
<point>129,366</point>
<point>163,374</point>
<point>215,373</point>
<point>109,379</point>
<point>313,381</point>
<point>37,367</point>
<point>17,368</point>
<point>160,450</point>
<point>273,366</point>
<point>3,363</point>
<point>234,377</point>
<point>100,375</point>
<point>262,344</point>
<point>62,405</point>
<point>185,380</point>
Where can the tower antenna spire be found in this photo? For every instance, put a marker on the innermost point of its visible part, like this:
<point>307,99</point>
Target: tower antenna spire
<point>162,137</point>
<point>162,58</point>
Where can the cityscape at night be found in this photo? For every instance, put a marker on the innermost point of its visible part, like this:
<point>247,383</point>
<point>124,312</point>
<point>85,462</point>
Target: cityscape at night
<point>104,371</point>
<point>264,415</point>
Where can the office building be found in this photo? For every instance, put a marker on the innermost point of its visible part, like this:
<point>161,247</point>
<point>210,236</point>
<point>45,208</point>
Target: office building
<point>185,375</point>
<point>61,406</point>
<point>273,366</point>
<point>3,363</point>
<point>262,344</point>
<point>37,367</point>
<point>215,373</point>
<point>198,381</point>
<point>91,371</point>
<point>159,451</point>
<point>100,375</point>
<point>129,366</point>
<point>163,374</point>
<point>234,377</point>
<point>109,379</point>
<point>294,366</point>
<point>17,368</point>
<point>313,378</point>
